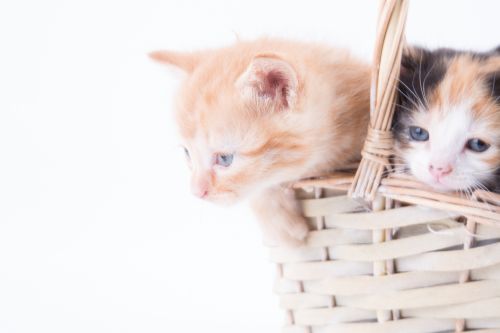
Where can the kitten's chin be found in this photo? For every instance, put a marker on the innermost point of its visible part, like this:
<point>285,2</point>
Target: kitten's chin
<point>224,199</point>
<point>446,186</point>
<point>440,186</point>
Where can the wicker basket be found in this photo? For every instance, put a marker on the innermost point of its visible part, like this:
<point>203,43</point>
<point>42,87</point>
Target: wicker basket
<point>388,254</point>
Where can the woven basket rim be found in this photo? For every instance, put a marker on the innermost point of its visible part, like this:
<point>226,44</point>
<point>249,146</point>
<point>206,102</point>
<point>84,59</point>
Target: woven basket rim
<point>482,206</point>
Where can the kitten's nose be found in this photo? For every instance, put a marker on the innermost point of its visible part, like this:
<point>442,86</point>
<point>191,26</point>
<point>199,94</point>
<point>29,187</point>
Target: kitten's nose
<point>199,188</point>
<point>200,193</point>
<point>440,170</point>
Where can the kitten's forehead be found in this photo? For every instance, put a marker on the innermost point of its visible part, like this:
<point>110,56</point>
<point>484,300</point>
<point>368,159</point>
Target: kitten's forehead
<point>451,118</point>
<point>222,127</point>
<point>466,94</point>
<point>200,114</point>
<point>461,82</point>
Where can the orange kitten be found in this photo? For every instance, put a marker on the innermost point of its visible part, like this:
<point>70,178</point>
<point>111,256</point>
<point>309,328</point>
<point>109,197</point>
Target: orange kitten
<point>257,115</point>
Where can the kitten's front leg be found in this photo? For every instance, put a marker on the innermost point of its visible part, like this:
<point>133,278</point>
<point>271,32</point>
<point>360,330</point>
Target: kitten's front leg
<point>280,216</point>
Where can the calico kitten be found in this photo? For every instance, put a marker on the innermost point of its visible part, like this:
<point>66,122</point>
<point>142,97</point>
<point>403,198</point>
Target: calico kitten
<point>259,114</point>
<point>447,122</point>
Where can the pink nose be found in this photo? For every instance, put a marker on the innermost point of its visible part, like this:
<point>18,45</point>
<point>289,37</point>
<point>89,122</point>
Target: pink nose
<point>439,171</point>
<point>200,192</point>
<point>200,187</point>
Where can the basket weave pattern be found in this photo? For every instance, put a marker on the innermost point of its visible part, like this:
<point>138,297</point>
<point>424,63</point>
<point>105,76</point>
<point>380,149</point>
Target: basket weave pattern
<point>388,254</point>
<point>391,267</point>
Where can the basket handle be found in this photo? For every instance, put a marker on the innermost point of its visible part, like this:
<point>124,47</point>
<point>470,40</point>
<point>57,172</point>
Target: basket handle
<point>385,74</point>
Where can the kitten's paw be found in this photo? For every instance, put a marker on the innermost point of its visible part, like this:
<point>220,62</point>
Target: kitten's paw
<point>285,231</point>
<point>298,228</point>
<point>281,218</point>
<point>294,232</point>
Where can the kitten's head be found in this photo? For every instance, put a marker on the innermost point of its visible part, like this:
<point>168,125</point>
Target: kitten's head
<point>237,112</point>
<point>447,122</point>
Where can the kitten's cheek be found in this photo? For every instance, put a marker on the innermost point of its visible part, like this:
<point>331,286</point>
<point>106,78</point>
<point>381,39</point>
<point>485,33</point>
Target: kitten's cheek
<point>421,174</point>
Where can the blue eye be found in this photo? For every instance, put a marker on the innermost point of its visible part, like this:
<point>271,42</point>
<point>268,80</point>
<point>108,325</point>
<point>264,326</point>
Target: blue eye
<point>224,160</point>
<point>418,133</point>
<point>477,145</point>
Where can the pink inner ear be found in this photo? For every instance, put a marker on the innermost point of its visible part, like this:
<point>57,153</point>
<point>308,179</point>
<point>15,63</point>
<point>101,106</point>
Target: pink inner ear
<point>274,85</point>
<point>271,79</point>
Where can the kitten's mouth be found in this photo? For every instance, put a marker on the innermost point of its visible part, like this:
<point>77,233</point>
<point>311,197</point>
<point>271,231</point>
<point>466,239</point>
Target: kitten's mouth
<point>446,185</point>
<point>440,185</point>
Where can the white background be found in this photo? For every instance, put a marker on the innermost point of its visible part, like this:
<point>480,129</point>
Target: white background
<point>98,231</point>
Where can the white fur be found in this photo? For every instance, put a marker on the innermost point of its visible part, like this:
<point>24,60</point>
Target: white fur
<point>449,130</point>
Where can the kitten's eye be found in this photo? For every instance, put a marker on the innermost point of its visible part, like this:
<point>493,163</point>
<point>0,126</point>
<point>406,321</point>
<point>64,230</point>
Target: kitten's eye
<point>418,133</point>
<point>477,145</point>
<point>186,152</point>
<point>224,160</point>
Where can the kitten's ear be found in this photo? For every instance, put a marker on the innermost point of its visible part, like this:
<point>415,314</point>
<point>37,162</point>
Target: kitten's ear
<point>270,79</point>
<point>183,60</point>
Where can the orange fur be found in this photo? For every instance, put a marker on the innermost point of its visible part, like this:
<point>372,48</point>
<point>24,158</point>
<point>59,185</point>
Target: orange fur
<point>286,110</point>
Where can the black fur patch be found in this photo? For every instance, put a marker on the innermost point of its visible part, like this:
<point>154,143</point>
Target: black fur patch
<point>421,72</point>
<point>493,82</point>
<point>494,185</point>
